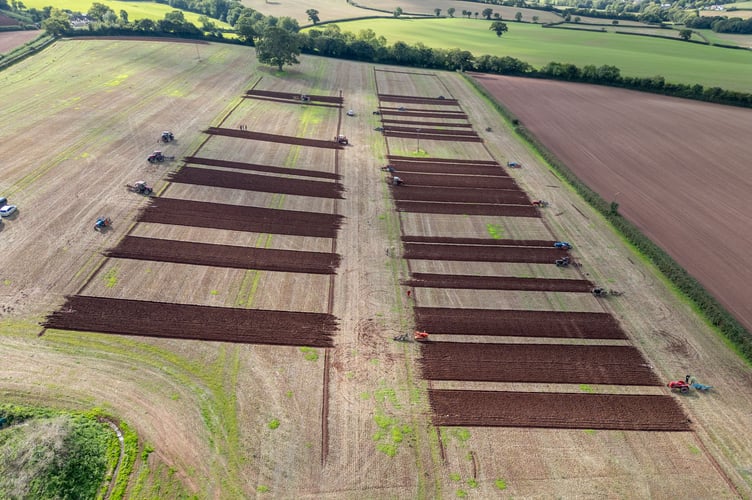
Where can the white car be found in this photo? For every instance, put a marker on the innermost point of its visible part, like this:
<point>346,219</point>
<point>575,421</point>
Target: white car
<point>350,112</point>
<point>7,210</point>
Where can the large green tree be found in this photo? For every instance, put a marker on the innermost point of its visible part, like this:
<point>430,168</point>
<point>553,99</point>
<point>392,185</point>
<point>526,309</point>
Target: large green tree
<point>499,27</point>
<point>313,15</point>
<point>98,11</point>
<point>57,24</point>
<point>278,47</point>
<point>487,13</point>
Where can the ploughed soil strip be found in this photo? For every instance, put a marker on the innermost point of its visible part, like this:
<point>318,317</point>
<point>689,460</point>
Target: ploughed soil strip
<point>459,195</point>
<point>289,101</point>
<point>255,182</point>
<point>518,323</point>
<point>444,168</point>
<point>434,136</point>
<point>483,253</point>
<point>261,168</point>
<point>394,158</point>
<point>284,139</point>
<point>557,410</point>
<point>478,241</point>
<point>429,280</point>
<point>458,181</point>
<point>295,97</point>
<point>423,114</point>
<point>418,100</point>
<point>185,321</point>
<point>426,207</point>
<point>537,363</point>
<point>429,131</point>
<point>402,109</point>
<point>241,218</point>
<point>387,121</point>
<point>206,254</point>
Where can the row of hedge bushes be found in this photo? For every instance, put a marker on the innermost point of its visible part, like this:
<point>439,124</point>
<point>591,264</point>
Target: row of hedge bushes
<point>688,286</point>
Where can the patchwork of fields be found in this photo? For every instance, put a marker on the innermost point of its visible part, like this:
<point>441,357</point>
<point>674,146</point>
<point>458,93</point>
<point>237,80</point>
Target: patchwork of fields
<point>243,318</point>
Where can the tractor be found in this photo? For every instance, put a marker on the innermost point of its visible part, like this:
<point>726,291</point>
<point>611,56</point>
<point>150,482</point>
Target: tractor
<point>540,203</point>
<point>565,262</point>
<point>102,223</point>
<point>167,136</point>
<point>419,336</point>
<point>602,292</point>
<point>397,181</point>
<point>514,164</point>
<point>341,139</point>
<point>688,383</point>
<point>158,157</point>
<point>562,244</point>
<point>140,187</point>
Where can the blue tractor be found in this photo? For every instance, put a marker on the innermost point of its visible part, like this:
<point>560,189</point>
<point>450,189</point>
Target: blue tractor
<point>102,223</point>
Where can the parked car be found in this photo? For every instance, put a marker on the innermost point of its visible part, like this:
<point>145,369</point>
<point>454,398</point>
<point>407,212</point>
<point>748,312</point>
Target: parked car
<point>7,210</point>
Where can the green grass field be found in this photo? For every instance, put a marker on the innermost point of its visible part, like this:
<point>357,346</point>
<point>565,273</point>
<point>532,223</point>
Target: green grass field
<point>677,61</point>
<point>136,10</point>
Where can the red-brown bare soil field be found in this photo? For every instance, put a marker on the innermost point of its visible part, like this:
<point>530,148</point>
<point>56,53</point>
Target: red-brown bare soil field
<point>427,207</point>
<point>241,218</point>
<point>422,114</point>
<point>255,182</point>
<point>447,161</point>
<point>193,322</point>
<point>536,363</point>
<point>431,280</point>
<point>679,169</point>
<point>302,172</point>
<point>557,410</point>
<point>205,254</point>
<point>9,40</point>
<point>483,253</point>
<point>428,131</point>
<point>510,323</point>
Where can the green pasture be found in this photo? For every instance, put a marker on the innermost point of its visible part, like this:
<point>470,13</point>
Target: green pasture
<point>677,61</point>
<point>136,10</point>
<point>739,5</point>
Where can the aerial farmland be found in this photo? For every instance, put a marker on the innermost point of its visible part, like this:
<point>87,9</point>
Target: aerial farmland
<point>280,317</point>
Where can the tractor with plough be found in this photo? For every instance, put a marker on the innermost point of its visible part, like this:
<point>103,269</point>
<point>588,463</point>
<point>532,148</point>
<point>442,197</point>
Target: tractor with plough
<point>689,383</point>
<point>158,157</point>
<point>140,187</point>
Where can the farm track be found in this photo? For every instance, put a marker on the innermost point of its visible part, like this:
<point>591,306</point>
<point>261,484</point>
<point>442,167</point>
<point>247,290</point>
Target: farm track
<point>536,363</point>
<point>255,182</point>
<point>498,283</point>
<point>556,410</point>
<point>483,253</point>
<point>193,322</point>
<point>205,254</point>
<point>261,168</point>
<point>518,323</point>
<point>282,139</point>
<point>241,218</point>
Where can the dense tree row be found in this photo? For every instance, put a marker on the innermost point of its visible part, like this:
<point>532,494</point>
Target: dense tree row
<point>721,24</point>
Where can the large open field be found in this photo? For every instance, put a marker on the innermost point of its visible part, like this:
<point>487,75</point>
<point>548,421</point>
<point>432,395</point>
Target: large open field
<point>267,411</point>
<point>678,178</point>
<point>634,55</point>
